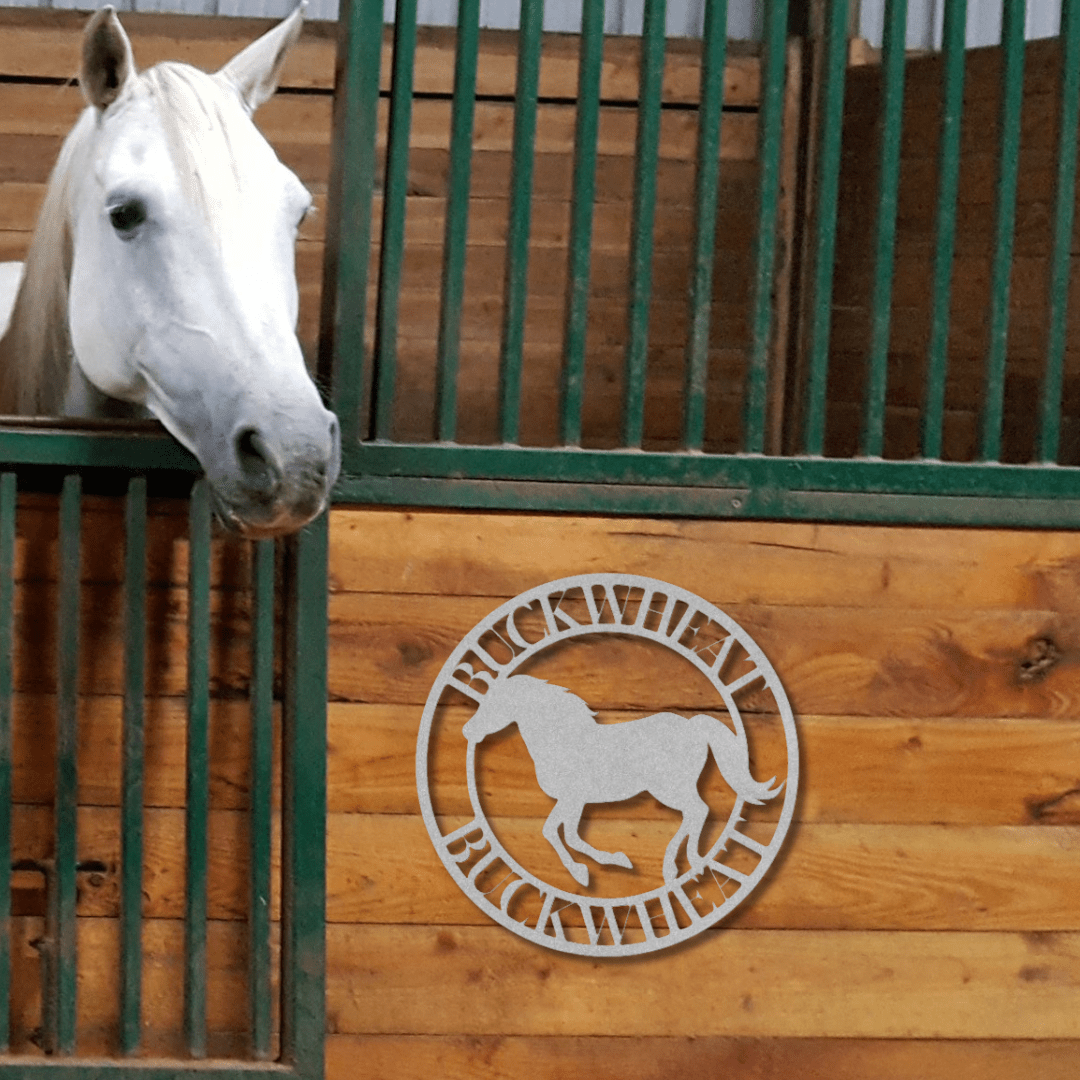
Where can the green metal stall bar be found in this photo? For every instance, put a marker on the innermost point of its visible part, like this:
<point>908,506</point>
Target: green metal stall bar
<point>802,484</point>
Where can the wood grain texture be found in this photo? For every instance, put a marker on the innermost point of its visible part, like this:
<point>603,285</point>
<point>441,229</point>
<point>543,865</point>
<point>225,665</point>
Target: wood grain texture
<point>868,770</point>
<point>290,121</point>
<point>100,718</point>
<point>922,921</point>
<point>101,671</point>
<point>781,984</point>
<point>45,44</point>
<point>483,981</point>
<point>614,1058</point>
<point>856,770</point>
<point>743,562</point>
<point>162,997</point>
<point>834,661</point>
<point>832,877</point>
<point>382,869</point>
<point>926,891</point>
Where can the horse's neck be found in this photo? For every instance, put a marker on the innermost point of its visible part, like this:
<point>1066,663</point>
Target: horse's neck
<point>553,729</point>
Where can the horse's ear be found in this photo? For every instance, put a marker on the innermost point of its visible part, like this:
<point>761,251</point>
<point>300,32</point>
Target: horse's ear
<point>254,72</point>
<point>107,61</point>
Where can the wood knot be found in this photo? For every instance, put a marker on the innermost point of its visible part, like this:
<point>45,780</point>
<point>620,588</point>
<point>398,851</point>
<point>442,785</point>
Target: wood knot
<point>1040,655</point>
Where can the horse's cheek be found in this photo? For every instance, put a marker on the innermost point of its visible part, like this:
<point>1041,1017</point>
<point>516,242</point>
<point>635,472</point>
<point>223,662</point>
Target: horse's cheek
<point>102,337</point>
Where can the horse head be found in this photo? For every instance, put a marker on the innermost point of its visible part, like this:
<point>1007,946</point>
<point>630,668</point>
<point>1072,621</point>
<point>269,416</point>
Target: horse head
<point>493,713</point>
<point>535,705</point>
<point>182,295</point>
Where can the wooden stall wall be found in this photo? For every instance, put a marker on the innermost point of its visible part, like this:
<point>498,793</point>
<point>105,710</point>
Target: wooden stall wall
<point>39,47</point>
<point>924,919</point>
<point>969,326</point>
<point>922,922</point>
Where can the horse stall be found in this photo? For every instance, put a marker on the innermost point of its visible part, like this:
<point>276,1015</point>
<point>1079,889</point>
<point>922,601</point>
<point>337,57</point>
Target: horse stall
<point>782,338</point>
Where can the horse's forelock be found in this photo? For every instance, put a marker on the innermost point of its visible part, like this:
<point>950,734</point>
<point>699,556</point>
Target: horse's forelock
<point>196,114</point>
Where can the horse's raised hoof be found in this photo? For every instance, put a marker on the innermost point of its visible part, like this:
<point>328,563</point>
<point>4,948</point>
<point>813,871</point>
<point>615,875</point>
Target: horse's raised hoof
<point>579,872</point>
<point>618,858</point>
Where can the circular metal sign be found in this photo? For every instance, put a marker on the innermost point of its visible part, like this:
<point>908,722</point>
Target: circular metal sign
<point>509,721</point>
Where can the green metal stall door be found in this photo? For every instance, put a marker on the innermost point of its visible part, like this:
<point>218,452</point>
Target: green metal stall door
<point>362,357</point>
<point>44,973</point>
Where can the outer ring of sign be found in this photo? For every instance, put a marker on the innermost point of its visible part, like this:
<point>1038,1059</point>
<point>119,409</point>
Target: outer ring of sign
<point>762,663</point>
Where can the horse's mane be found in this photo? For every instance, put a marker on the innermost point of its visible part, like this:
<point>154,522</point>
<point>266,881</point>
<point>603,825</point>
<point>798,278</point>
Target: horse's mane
<point>565,704</point>
<point>36,352</point>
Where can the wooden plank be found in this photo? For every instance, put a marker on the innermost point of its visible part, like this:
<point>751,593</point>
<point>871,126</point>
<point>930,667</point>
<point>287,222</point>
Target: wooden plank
<point>967,336</point>
<point>382,869</point>
<point>547,271</point>
<point>305,119</point>
<point>99,751</point>
<point>924,985</point>
<point>974,242</point>
<point>43,44</point>
<point>834,661</point>
<point>163,860</point>
<point>162,997</point>
<point>102,563</point>
<point>102,624</point>
<point>478,407</point>
<point>607,316</point>
<point>474,981</point>
<point>455,1057</point>
<point>553,173</point>
<point>20,203</point>
<point>871,770</point>
<point>551,222</point>
<point>767,563</point>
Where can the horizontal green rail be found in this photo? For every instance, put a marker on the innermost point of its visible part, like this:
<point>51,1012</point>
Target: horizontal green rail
<point>85,1068</point>
<point>713,485</point>
<point>851,507</point>
<point>137,448</point>
<point>574,465</point>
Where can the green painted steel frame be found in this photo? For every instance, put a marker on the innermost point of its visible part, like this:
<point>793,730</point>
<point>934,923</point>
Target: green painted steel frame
<point>687,481</point>
<point>73,450</point>
<point>716,486</point>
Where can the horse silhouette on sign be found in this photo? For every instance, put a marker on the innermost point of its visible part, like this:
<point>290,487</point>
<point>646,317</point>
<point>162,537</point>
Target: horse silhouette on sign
<point>580,761</point>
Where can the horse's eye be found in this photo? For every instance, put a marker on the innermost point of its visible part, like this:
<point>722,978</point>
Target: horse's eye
<point>127,216</point>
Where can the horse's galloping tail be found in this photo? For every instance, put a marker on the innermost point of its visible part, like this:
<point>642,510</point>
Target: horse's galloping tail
<point>732,755</point>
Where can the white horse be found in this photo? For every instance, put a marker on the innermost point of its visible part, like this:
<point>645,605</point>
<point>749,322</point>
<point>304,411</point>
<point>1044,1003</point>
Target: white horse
<point>161,279</point>
<point>579,761</point>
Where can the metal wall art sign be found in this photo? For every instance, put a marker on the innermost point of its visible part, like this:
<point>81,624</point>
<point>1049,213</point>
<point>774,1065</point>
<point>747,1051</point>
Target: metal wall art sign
<point>538,716</point>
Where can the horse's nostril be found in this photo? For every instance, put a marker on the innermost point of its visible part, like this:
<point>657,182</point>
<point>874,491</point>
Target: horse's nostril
<point>257,462</point>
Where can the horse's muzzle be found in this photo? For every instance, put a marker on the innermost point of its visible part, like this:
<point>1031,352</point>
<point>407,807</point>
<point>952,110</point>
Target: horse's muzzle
<point>274,490</point>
